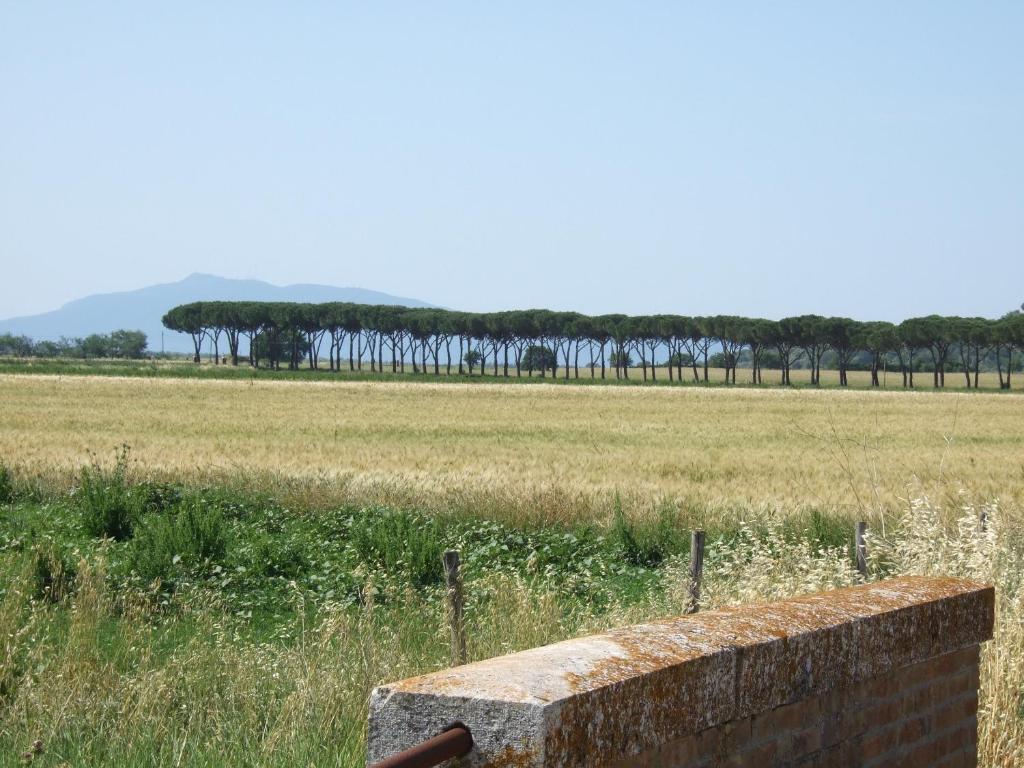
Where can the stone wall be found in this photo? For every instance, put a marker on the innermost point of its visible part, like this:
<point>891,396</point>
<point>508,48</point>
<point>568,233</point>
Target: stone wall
<point>877,675</point>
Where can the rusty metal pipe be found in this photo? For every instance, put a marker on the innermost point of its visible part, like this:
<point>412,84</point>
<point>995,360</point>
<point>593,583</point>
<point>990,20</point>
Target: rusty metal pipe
<point>454,741</point>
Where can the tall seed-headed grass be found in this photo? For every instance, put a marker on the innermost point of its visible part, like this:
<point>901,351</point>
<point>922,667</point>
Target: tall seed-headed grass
<point>544,454</point>
<point>106,686</point>
<point>925,538</point>
<point>647,542</point>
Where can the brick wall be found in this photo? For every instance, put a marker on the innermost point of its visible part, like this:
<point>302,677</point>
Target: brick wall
<point>924,714</point>
<point>884,674</point>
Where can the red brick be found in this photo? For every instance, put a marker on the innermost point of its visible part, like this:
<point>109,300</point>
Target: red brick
<point>882,714</point>
<point>840,726</point>
<point>765,754</point>
<point>805,742</point>
<point>921,714</point>
<point>913,730</point>
<point>879,741</point>
<point>963,681</point>
<point>954,712</point>
<point>948,663</point>
<point>844,755</point>
<point>782,719</point>
<point>926,752</point>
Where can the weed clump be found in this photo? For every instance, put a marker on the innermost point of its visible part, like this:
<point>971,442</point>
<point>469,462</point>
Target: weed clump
<point>105,500</point>
<point>167,544</point>
<point>400,542</point>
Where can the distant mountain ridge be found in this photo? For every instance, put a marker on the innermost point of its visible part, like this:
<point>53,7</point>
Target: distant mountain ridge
<point>142,309</point>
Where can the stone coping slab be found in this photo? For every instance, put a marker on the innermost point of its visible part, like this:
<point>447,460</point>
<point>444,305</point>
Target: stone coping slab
<point>595,699</point>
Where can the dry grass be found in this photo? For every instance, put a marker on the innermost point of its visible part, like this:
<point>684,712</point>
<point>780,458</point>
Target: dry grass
<point>100,681</point>
<point>93,692</point>
<point>546,452</point>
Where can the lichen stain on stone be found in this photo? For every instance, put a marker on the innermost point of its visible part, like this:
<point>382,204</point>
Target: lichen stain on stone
<point>660,684</point>
<point>510,757</point>
<point>639,653</point>
<point>533,677</point>
<point>620,693</point>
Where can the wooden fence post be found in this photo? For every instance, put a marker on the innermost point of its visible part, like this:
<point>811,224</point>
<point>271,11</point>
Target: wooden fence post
<point>861,549</point>
<point>696,569</point>
<point>454,594</point>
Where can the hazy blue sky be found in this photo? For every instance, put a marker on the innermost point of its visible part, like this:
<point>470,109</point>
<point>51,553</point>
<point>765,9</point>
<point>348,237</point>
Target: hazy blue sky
<point>755,158</point>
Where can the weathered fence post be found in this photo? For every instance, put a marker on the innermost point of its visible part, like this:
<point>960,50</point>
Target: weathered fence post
<point>454,582</point>
<point>696,569</point>
<point>861,549</point>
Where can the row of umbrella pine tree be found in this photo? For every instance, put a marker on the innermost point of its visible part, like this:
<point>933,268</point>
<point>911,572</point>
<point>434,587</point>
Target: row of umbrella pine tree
<point>512,343</point>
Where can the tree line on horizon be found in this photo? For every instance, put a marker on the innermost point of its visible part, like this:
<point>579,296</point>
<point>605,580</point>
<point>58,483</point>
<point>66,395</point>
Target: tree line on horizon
<point>124,343</point>
<point>545,341</point>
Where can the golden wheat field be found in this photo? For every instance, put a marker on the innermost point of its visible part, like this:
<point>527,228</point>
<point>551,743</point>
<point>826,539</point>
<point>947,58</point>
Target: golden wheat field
<point>95,681</point>
<point>550,451</point>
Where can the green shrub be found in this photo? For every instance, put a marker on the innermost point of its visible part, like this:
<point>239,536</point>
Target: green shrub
<point>105,501</point>
<point>401,543</point>
<point>166,545</point>
<point>6,485</point>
